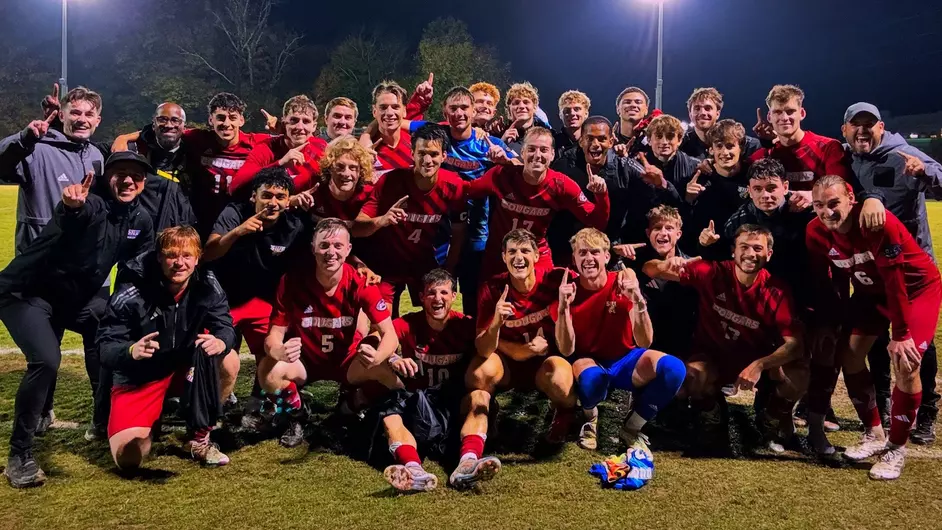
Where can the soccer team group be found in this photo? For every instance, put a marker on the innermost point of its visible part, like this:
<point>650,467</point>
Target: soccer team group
<point>680,265</point>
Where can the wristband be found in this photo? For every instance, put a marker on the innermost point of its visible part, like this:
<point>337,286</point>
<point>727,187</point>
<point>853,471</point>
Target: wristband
<point>393,358</point>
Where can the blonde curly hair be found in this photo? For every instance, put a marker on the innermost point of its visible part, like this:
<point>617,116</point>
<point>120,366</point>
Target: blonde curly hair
<point>347,145</point>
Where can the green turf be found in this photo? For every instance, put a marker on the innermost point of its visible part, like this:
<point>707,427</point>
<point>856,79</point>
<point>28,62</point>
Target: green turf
<point>267,486</point>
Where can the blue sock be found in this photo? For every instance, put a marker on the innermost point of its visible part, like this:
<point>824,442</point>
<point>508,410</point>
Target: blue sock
<point>658,393</point>
<point>592,387</point>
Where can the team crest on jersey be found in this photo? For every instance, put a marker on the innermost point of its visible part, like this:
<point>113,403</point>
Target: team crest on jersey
<point>891,251</point>
<point>582,198</point>
<point>189,374</point>
<point>276,250</point>
<point>381,305</point>
<point>612,306</point>
<point>133,233</point>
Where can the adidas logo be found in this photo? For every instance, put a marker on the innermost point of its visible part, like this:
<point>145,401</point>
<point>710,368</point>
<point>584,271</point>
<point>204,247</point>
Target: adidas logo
<point>62,178</point>
<point>721,297</point>
<point>155,315</point>
<point>308,310</point>
<point>833,252</point>
<point>923,346</point>
<point>903,418</point>
<point>653,284</point>
<point>510,197</point>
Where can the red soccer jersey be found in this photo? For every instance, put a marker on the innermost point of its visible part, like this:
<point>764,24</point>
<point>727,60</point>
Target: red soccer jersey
<point>389,158</point>
<point>407,250</point>
<point>517,204</point>
<point>441,355</point>
<point>531,310</point>
<point>810,159</point>
<point>326,205</point>
<point>325,323</point>
<point>269,152</point>
<point>601,322</point>
<point>212,167</point>
<point>888,265</point>
<point>736,321</point>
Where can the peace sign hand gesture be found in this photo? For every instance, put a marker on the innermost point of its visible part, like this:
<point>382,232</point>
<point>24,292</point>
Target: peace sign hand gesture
<point>74,196</point>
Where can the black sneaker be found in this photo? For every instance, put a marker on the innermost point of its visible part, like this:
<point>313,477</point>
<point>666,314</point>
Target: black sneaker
<point>924,432</point>
<point>883,406</point>
<point>23,472</point>
<point>45,421</point>
<point>293,436</point>
<point>96,433</point>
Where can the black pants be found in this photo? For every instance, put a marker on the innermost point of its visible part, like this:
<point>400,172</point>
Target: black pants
<point>880,369</point>
<point>36,327</point>
<point>469,272</point>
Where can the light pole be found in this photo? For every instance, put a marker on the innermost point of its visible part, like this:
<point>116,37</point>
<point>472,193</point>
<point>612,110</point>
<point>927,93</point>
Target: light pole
<point>63,79</point>
<point>660,53</point>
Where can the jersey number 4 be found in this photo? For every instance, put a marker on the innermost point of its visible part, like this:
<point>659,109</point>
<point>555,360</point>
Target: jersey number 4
<point>415,236</point>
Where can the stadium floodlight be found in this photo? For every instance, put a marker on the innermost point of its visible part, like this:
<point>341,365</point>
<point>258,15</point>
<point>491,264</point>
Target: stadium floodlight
<point>658,91</point>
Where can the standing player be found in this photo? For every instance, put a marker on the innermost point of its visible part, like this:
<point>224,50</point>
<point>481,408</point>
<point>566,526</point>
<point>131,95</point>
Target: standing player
<point>165,325</point>
<point>485,98</point>
<point>895,283</point>
<point>515,349</point>
<point>393,145</point>
<point>297,151</point>
<point>436,346</point>
<point>405,214</point>
<point>704,107</point>
<point>249,250</point>
<point>631,106</point>
<point>340,117</point>
<point>312,335</point>
<point>603,319</point>
<point>757,332</point>
<point>522,103</point>
<point>573,110</point>
<point>527,197</point>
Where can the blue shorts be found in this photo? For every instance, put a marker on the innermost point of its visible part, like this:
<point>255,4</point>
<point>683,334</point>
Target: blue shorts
<point>618,372</point>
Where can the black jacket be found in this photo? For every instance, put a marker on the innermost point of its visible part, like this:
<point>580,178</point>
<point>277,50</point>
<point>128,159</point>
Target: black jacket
<point>165,193</point>
<point>691,145</point>
<point>142,304</point>
<point>168,164</point>
<point>720,200</point>
<point>70,260</point>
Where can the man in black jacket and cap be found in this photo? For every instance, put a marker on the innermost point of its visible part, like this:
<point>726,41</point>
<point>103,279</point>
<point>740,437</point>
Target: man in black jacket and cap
<point>49,286</point>
<point>166,322</point>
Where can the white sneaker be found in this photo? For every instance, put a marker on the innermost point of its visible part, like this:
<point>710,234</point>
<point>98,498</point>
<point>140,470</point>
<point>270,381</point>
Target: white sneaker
<point>589,433</point>
<point>890,465</point>
<point>868,446</point>
<point>410,477</point>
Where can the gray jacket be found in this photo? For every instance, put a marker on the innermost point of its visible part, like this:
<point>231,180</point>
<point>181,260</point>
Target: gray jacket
<point>43,168</point>
<point>905,196</point>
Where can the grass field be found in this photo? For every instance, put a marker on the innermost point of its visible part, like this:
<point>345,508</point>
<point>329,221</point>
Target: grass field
<point>267,486</point>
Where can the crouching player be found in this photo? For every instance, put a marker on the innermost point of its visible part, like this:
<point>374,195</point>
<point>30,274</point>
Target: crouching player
<point>757,333</point>
<point>515,350</point>
<point>895,283</point>
<point>313,336</point>
<point>162,327</point>
<point>437,344</point>
<point>603,319</point>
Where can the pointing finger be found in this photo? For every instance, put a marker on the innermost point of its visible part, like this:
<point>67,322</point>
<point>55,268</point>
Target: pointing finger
<point>638,245</point>
<point>712,226</point>
<point>399,203</point>
<point>51,117</point>
<point>87,181</point>
<point>565,278</point>
<point>693,259</point>
<point>55,91</point>
<point>267,115</point>
<point>150,336</point>
<point>695,177</point>
<point>503,296</point>
<point>759,118</point>
<point>431,78</point>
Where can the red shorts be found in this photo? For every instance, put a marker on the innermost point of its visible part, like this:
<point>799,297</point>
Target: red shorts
<point>870,317</point>
<point>251,321</point>
<point>522,373</point>
<point>320,369</point>
<point>140,406</point>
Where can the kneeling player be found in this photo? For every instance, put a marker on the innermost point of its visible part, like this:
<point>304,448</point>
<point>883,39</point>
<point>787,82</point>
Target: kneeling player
<point>318,307</point>
<point>159,329</point>
<point>605,322</point>
<point>757,332</point>
<point>436,345</point>
<point>895,283</point>
<point>515,349</point>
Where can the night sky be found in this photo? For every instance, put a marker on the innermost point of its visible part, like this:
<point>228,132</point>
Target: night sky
<point>888,52</point>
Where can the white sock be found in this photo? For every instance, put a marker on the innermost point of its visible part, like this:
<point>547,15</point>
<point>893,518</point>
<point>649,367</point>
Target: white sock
<point>634,423</point>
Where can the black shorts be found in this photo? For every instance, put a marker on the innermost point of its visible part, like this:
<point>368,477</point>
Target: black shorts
<point>428,414</point>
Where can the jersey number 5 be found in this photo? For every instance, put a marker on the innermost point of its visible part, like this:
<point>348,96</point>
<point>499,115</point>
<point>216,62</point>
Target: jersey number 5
<point>327,343</point>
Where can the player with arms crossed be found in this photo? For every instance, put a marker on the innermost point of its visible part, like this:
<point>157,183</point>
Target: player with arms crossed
<point>405,214</point>
<point>757,332</point>
<point>515,349</point>
<point>436,346</point>
<point>603,319</point>
<point>312,334</point>
<point>895,282</point>
<point>527,197</point>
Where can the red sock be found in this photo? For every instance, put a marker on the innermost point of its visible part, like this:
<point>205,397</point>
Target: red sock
<point>290,396</point>
<point>407,454</point>
<point>821,387</point>
<point>472,444</point>
<point>903,415</point>
<point>202,434</point>
<point>863,396</point>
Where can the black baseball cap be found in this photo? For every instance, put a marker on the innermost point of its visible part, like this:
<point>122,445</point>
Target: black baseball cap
<point>129,156</point>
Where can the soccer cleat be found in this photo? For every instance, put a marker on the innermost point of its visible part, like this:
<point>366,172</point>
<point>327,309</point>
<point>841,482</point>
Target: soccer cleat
<point>95,434</point>
<point>830,422</point>
<point>868,446</point>
<point>205,451</point>
<point>635,441</point>
<point>589,434</point>
<point>410,478</point>
<point>924,432</point>
<point>45,421</point>
<point>23,472</point>
<point>473,470</point>
<point>294,436</point>
<point>820,444</point>
<point>890,464</point>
